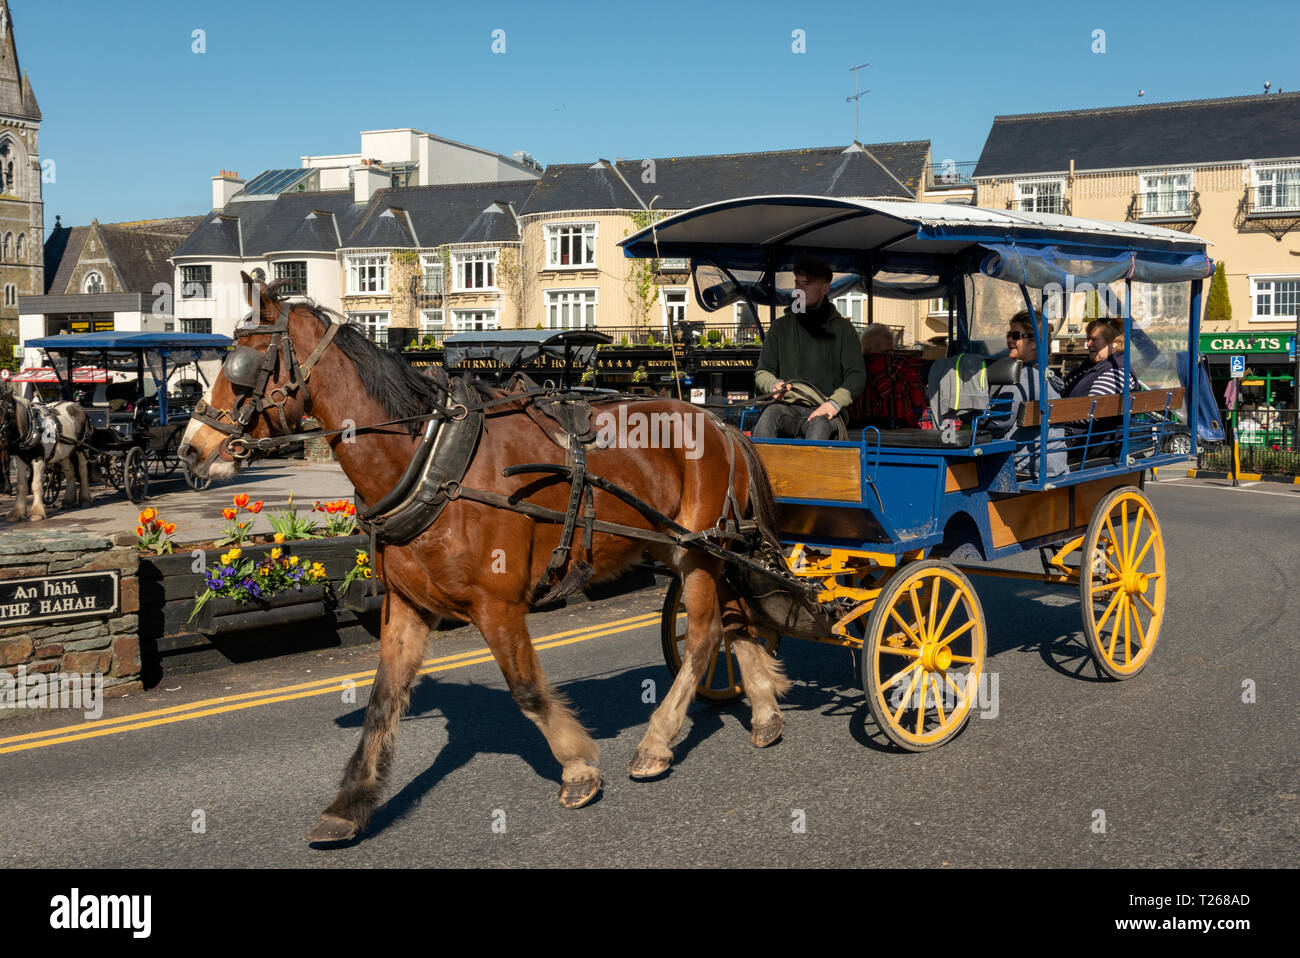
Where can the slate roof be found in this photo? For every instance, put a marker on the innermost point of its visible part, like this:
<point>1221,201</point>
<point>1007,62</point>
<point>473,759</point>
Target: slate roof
<point>138,250</point>
<point>683,182</point>
<point>141,251</point>
<point>454,213</point>
<point>1226,130</point>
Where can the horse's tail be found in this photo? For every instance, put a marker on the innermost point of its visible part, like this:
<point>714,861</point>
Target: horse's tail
<point>762,505</point>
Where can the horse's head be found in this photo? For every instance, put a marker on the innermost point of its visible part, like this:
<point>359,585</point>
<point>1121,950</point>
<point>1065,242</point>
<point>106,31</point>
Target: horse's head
<point>260,391</point>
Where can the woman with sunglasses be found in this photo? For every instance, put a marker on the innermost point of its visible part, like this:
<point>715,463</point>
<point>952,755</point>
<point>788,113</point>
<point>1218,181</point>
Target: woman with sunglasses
<point>1101,374</point>
<point>1021,345</point>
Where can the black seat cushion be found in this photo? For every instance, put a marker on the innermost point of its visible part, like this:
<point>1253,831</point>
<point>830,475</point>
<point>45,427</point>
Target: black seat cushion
<point>917,438</point>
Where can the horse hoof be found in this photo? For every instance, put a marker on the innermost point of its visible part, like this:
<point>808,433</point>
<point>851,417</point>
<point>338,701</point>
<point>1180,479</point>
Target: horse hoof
<point>330,829</point>
<point>579,793</point>
<point>761,736</point>
<point>645,765</point>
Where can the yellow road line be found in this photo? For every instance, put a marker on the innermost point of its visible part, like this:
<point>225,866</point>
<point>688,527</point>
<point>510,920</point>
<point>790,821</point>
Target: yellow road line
<point>245,700</point>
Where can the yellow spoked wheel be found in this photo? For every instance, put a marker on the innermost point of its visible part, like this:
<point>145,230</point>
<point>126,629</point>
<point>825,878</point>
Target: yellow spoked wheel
<point>1122,583</point>
<point>923,654</point>
<point>721,680</point>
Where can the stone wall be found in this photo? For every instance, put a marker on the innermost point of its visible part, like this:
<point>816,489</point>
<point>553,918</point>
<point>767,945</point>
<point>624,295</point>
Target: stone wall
<point>106,645</point>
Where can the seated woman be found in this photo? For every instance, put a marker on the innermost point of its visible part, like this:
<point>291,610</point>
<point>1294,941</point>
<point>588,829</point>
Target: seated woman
<point>1101,374</point>
<point>1021,346</point>
<point>894,397</point>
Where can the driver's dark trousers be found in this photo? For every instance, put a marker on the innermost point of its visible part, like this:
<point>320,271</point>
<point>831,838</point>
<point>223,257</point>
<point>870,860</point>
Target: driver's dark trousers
<point>783,420</point>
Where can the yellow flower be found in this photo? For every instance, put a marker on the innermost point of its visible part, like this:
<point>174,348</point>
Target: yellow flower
<point>235,553</point>
<point>317,569</point>
<point>225,558</point>
<point>363,559</point>
<point>366,574</point>
<point>278,537</point>
<point>293,560</point>
<point>275,553</point>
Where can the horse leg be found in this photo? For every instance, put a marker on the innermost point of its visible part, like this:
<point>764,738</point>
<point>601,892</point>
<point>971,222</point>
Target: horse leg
<point>69,467</point>
<point>19,511</point>
<point>506,633</point>
<point>38,489</point>
<point>765,681</point>
<point>83,475</point>
<point>703,632</point>
<point>402,640</point>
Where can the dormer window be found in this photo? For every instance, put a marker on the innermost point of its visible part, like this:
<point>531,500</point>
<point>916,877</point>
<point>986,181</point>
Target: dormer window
<point>93,283</point>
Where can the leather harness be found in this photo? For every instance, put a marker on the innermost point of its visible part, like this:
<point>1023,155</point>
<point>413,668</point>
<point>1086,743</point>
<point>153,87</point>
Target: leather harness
<point>434,475</point>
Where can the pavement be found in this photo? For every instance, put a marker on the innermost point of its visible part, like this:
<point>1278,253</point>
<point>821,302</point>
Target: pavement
<point>198,514</point>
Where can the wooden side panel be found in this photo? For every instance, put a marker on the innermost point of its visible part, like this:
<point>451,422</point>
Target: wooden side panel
<point>813,472</point>
<point>1154,401</point>
<point>1085,407</point>
<point>961,477</point>
<point>1088,494</point>
<point>1028,516</point>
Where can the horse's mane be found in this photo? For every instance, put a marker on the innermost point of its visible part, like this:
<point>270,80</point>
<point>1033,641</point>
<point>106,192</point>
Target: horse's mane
<point>386,378</point>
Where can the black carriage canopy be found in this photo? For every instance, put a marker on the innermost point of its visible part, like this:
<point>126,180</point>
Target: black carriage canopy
<point>515,347</point>
<point>907,250</point>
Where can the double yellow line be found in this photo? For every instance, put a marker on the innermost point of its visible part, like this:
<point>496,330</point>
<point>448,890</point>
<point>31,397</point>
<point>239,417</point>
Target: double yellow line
<point>331,686</point>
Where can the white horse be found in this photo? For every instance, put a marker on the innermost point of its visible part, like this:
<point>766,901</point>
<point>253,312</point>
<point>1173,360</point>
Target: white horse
<point>39,436</point>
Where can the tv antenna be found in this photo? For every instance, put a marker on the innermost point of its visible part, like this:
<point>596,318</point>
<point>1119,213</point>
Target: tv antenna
<point>857,94</point>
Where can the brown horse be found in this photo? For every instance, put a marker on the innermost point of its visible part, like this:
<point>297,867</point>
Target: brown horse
<point>479,562</point>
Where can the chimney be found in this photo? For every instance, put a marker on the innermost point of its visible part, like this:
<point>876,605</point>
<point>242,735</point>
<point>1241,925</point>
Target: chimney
<point>224,187</point>
<point>367,179</point>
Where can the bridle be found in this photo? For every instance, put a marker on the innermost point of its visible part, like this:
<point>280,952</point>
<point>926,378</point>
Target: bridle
<point>248,370</point>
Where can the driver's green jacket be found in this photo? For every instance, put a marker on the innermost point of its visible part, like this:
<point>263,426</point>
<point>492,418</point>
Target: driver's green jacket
<point>833,363</point>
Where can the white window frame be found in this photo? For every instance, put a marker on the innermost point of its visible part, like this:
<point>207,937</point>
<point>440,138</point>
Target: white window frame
<point>431,327</point>
<point>458,260</point>
<point>1273,168</point>
<point>1272,317</point>
<point>186,284</point>
<point>188,324</point>
<point>553,243</point>
<point>937,306</point>
<point>1146,188</point>
<point>461,323</point>
<point>359,279</point>
<point>582,299</point>
<point>85,282</point>
<point>383,321</point>
<point>663,300</point>
<point>275,273</point>
<point>849,299</point>
<point>1031,186</point>
<point>431,265</point>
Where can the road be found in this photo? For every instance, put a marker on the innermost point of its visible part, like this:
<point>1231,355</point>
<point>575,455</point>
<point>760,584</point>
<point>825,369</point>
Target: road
<point>1182,771</point>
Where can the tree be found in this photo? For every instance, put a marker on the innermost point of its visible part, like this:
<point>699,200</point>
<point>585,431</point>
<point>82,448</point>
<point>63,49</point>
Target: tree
<point>7,358</point>
<point>1218,309</point>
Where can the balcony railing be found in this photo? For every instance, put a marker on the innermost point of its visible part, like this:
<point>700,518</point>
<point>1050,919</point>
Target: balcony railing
<point>1273,199</point>
<point>950,175</point>
<point>1061,206</point>
<point>1170,206</point>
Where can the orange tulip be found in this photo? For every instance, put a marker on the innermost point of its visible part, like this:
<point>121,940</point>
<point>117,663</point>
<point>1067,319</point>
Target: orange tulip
<point>228,514</point>
<point>241,500</point>
<point>148,515</point>
<point>352,510</point>
<point>169,527</point>
<point>256,507</point>
<point>139,530</point>
<point>331,507</point>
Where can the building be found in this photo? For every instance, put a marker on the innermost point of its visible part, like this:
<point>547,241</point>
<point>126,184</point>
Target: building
<point>105,276</point>
<point>1227,170</point>
<point>22,216</point>
<point>371,235</point>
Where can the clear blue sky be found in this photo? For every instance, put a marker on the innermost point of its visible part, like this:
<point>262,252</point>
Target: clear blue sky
<point>137,123</point>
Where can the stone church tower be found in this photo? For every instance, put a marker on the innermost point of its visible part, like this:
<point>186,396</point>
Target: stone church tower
<point>22,213</point>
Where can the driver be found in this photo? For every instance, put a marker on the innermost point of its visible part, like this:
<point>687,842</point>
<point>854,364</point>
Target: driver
<point>814,345</point>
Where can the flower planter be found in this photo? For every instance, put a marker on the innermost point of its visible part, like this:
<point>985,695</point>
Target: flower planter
<point>358,599</point>
<point>221,616</point>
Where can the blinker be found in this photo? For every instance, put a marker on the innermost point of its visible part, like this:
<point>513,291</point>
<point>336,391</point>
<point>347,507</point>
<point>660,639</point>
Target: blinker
<point>243,365</point>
